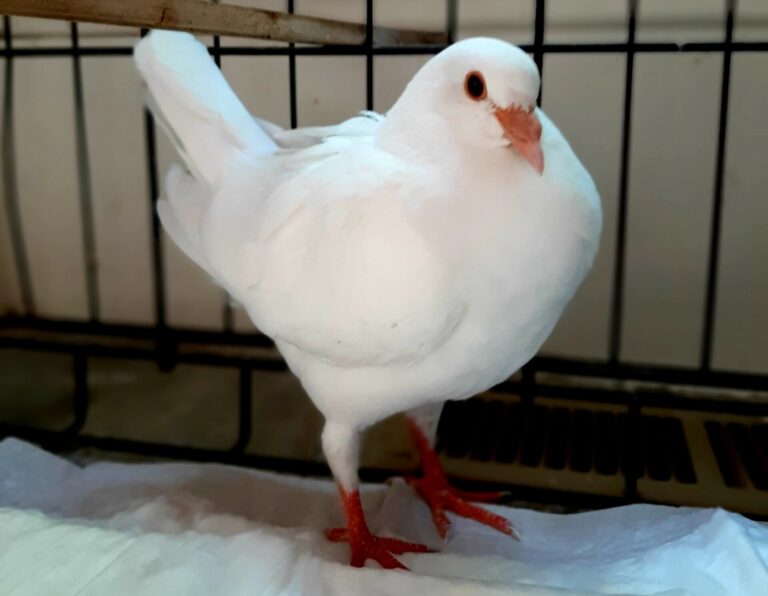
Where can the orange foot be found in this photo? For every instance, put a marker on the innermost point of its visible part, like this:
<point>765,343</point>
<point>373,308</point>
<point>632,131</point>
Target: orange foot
<point>363,545</point>
<point>435,490</point>
<point>381,550</point>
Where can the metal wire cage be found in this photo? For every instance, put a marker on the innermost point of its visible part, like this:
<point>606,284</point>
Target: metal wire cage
<point>633,388</point>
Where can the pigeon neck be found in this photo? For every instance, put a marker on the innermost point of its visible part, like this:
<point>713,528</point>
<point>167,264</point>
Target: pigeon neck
<point>418,137</point>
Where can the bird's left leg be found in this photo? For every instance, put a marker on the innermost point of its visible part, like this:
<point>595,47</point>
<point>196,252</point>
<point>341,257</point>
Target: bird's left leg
<point>433,486</point>
<point>341,445</point>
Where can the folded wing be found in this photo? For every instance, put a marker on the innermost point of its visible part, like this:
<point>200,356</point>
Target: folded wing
<point>339,267</point>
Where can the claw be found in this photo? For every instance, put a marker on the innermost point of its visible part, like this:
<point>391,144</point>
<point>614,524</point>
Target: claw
<point>440,497</point>
<point>433,487</point>
<point>461,507</point>
<point>365,546</point>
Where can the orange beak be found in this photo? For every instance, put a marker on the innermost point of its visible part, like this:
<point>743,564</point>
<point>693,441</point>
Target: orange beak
<point>523,130</point>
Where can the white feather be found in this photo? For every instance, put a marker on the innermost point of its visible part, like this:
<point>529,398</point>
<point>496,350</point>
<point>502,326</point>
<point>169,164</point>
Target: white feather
<point>182,212</point>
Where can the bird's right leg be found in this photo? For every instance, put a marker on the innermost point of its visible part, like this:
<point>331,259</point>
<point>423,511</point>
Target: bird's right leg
<point>341,445</point>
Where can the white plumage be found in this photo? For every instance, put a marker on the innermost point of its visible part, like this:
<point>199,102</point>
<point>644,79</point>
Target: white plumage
<point>396,261</point>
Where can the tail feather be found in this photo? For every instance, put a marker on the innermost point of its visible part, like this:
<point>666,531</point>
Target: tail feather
<point>191,98</point>
<point>206,122</point>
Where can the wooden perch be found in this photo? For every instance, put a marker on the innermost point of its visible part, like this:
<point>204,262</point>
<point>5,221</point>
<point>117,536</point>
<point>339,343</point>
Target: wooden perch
<point>203,16</point>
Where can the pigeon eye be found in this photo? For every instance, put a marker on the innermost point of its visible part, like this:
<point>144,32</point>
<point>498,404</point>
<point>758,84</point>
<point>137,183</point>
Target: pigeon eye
<point>474,85</point>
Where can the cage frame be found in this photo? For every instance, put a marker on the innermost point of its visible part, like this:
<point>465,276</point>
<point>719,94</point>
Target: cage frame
<point>636,386</point>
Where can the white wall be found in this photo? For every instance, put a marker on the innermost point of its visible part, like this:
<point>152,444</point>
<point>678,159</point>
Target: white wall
<point>674,136</point>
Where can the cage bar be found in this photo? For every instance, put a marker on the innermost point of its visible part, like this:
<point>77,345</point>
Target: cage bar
<point>84,182</point>
<point>633,387</point>
<point>717,203</point>
<point>617,302</point>
<point>10,185</point>
<point>539,27</point>
<point>292,76</point>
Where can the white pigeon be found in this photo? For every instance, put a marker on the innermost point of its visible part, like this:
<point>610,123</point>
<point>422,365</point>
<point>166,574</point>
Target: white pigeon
<point>396,261</point>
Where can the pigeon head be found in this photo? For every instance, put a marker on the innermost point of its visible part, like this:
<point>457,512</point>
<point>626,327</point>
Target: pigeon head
<point>483,90</point>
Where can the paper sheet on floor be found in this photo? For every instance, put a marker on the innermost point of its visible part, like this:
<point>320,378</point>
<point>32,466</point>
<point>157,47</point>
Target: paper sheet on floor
<point>195,529</point>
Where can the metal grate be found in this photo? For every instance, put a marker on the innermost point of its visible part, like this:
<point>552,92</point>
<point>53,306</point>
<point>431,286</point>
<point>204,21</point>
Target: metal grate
<point>629,442</point>
<point>723,460</point>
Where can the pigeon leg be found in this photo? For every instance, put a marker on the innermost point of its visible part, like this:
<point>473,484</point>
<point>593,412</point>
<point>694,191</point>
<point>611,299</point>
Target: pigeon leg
<point>341,446</point>
<point>433,486</point>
